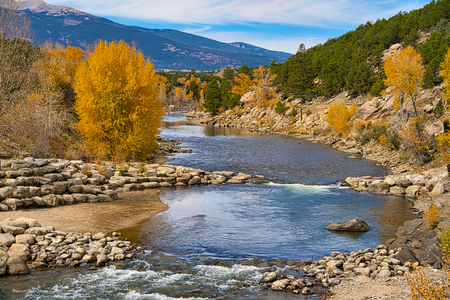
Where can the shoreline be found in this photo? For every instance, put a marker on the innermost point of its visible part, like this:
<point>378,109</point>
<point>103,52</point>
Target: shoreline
<point>128,211</point>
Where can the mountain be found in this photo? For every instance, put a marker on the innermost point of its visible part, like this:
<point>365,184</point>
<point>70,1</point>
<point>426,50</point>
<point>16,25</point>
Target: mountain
<point>167,49</point>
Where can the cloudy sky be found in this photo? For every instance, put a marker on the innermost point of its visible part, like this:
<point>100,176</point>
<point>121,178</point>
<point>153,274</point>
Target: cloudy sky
<point>273,24</point>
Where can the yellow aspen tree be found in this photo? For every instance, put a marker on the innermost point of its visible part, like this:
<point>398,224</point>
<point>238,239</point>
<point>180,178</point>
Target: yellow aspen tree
<point>443,140</point>
<point>338,117</point>
<point>263,81</point>
<point>243,84</point>
<point>117,102</point>
<point>404,73</point>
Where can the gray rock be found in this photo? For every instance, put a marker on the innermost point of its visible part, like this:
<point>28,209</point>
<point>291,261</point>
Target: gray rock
<point>437,190</point>
<point>18,255</point>
<point>384,274</point>
<point>29,222</point>
<point>13,203</point>
<point>13,229</point>
<point>27,239</point>
<point>379,187</point>
<point>195,180</point>
<point>279,285</point>
<point>5,192</point>
<point>3,259</point>
<point>102,259</point>
<point>362,271</point>
<point>7,239</point>
<point>38,231</point>
<point>269,277</point>
<point>355,225</point>
<point>52,200</point>
<point>412,191</point>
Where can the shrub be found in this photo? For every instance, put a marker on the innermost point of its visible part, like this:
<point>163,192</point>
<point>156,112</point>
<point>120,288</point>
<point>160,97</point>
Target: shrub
<point>280,108</point>
<point>294,112</point>
<point>432,215</point>
<point>308,113</point>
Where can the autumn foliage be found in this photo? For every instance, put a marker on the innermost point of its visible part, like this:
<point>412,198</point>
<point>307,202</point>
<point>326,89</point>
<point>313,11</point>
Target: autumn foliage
<point>404,73</point>
<point>117,102</point>
<point>338,117</point>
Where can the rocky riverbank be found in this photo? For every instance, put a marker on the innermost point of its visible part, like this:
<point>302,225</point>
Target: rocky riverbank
<point>36,183</point>
<point>25,245</point>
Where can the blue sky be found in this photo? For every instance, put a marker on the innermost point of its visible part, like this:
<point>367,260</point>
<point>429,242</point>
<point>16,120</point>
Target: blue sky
<point>276,25</point>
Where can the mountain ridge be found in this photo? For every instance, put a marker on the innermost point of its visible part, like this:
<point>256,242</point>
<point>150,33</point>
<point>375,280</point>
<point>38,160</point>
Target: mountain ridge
<point>168,49</point>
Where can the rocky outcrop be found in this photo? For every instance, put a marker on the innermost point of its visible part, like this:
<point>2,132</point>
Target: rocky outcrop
<point>355,225</point>
<point>332,270</point>
<point>48,183</point>
<point>431,183</point>
<point>44,247</point>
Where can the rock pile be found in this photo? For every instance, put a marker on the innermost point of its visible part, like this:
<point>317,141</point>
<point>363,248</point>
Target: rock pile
<point>25,244</point>
<point>48,183</point>
<point>333,269</point>
<point>430,184</point>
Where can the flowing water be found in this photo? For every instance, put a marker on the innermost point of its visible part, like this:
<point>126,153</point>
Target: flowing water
<point>216,241</point>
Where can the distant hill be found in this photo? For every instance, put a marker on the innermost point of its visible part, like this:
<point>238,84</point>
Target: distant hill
<point>168,49</point>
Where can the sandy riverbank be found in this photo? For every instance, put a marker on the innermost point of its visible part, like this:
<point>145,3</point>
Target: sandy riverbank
<point>131,209</point>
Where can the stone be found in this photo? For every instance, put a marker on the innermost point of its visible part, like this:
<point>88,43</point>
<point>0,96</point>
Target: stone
<point>384,274</point>
<point>279,285</point>
<point>37,231</point>
<point>362,271</point>
<point>99,236</point>
<point>437,190</point>
<point>396,190</point>
<point>29,222</point>
<point>13,203</point>
<point>7,239</point>
<point>102,259</point>
<point>379,187</point>
<point>412,191</point>
<point>390,181</point>
<point>26,238</point>
<point>195,180</point>
<point>13,229</point>
<point>5,192</point>
<point>355,225</point>
<point>18,255</point>
<point>3,259</point>
<point>269,277</point>
<point>52,200</point>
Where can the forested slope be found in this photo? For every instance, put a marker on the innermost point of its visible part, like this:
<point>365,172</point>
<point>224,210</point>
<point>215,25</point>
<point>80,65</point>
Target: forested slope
<point>353,61</point>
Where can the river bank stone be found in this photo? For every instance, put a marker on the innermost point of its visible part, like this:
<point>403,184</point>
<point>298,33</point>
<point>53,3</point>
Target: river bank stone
<point>355,225</point>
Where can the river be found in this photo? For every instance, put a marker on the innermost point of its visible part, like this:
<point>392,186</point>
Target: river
<point>216,241</point>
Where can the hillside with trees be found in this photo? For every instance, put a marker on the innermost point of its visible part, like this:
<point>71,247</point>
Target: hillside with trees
<point>353,62</point>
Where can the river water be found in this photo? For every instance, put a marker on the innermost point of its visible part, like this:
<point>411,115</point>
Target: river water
<point>216,241</point>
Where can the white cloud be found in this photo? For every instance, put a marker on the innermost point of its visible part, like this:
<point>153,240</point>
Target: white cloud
<point>218,12</point>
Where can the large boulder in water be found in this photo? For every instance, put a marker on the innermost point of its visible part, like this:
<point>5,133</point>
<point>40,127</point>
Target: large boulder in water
<point>355,225</point>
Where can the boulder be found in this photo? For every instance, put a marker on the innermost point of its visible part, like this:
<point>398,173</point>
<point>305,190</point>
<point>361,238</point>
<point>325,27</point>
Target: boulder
<point>18,255</point>
<point>13,229</point>
<point>437,190</point>
<point>29,221</point>
<point>37,231</point>
<point>269,277</point>
<point>379,187</point>
<point>3,259</point>
<point>27,239</point>
<point>7,239</point>
<point>280,285</point>
<point>5,192</point>
<point>355,225</point>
